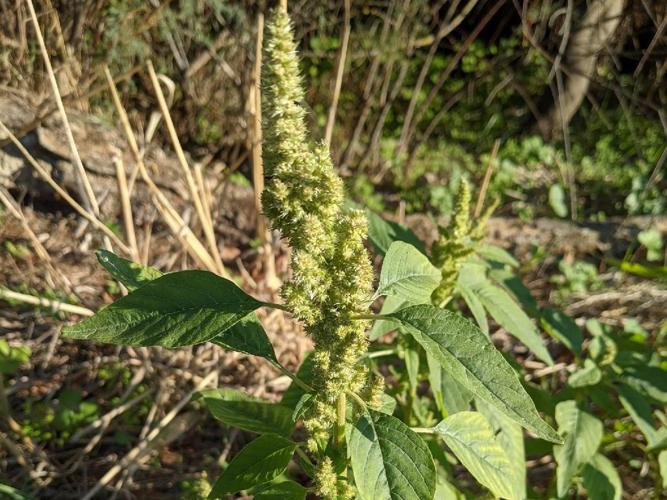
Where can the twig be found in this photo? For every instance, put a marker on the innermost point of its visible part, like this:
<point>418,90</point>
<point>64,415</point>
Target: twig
<point>340,70</point>
<point>55,305</point>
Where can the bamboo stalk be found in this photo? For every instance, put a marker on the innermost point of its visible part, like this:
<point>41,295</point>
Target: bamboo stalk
<point>194,194</point>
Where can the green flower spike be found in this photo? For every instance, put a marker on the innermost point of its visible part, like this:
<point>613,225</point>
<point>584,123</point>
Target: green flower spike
<point>331,271</point>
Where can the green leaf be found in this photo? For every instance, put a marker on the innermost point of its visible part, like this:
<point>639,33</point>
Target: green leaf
<point>469,357</point>
<point>601,479</point>
<point>389,460</point>
<point>652,239</point>
<point>382,233</point>
<point>9,493</point>
<point>388,404</point>
<point>662,461</point>
<point>178,309</point>
<point>474,304</point>
<point>510,437</point>
<point>506,312</point>
<point>639,409</point>
<point>497,254</point>
<point>241,410</point>
<point>582,434</point>
<point>283,490</point>
<point>557,200</point>
<point>129,273</point>
<point>248,337</point>
<point>261,461</point>
<point>470,436</point>
<point>585,376</point>
<point>450,396</point>
<point>649,380</point>
<point>11,358</point>
<point>408,273</point>
<point>563,328</point>
<point>512,283</point>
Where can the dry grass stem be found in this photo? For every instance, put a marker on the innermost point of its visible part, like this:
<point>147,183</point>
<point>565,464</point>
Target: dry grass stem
<point>340,70</point>
<point>56,187</point>
<point>176,224</point>
<point>192,186</point>
<point>128,219</point>
<point>55,305</point>
<point>87,192</point>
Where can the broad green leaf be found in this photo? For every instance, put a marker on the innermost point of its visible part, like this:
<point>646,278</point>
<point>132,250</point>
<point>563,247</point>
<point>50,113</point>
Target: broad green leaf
<point>509,435</point>
<point>601,479</point>
<point>649,380</point>
<point>389,460</point>
<point>380,327</point>
<point>639,409</point>
<point>470,436</point>
<point>497,254</point>
<point>129,273</point>
<point>469,357</point>
<point>382,233</point>
<point>512,283</point>
<point>582,434</point>
<point>585,376</point>
<point>474,304</point>
<point>563,328</point>
<point>294,393</point>
<point>450,396</point>
<point>177,309</point>
<point>444,490</point>
<point>407,273</point>
<point>261,461</point>
<point>662,461</point>
<point>282,490</point>
<point>508,314</point>
<point>241,410</point>
<point>388,404</point>
<point>248,337</point>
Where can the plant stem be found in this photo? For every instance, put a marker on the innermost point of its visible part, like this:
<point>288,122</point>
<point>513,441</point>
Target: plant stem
<point>379,354</point>
<point>291,375</point>
<point>273,305</point>
<point>369,316</point>
<point>302,454</point>
<point>358,399</point>
<point>423,430</point>
<point>341,407</point>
